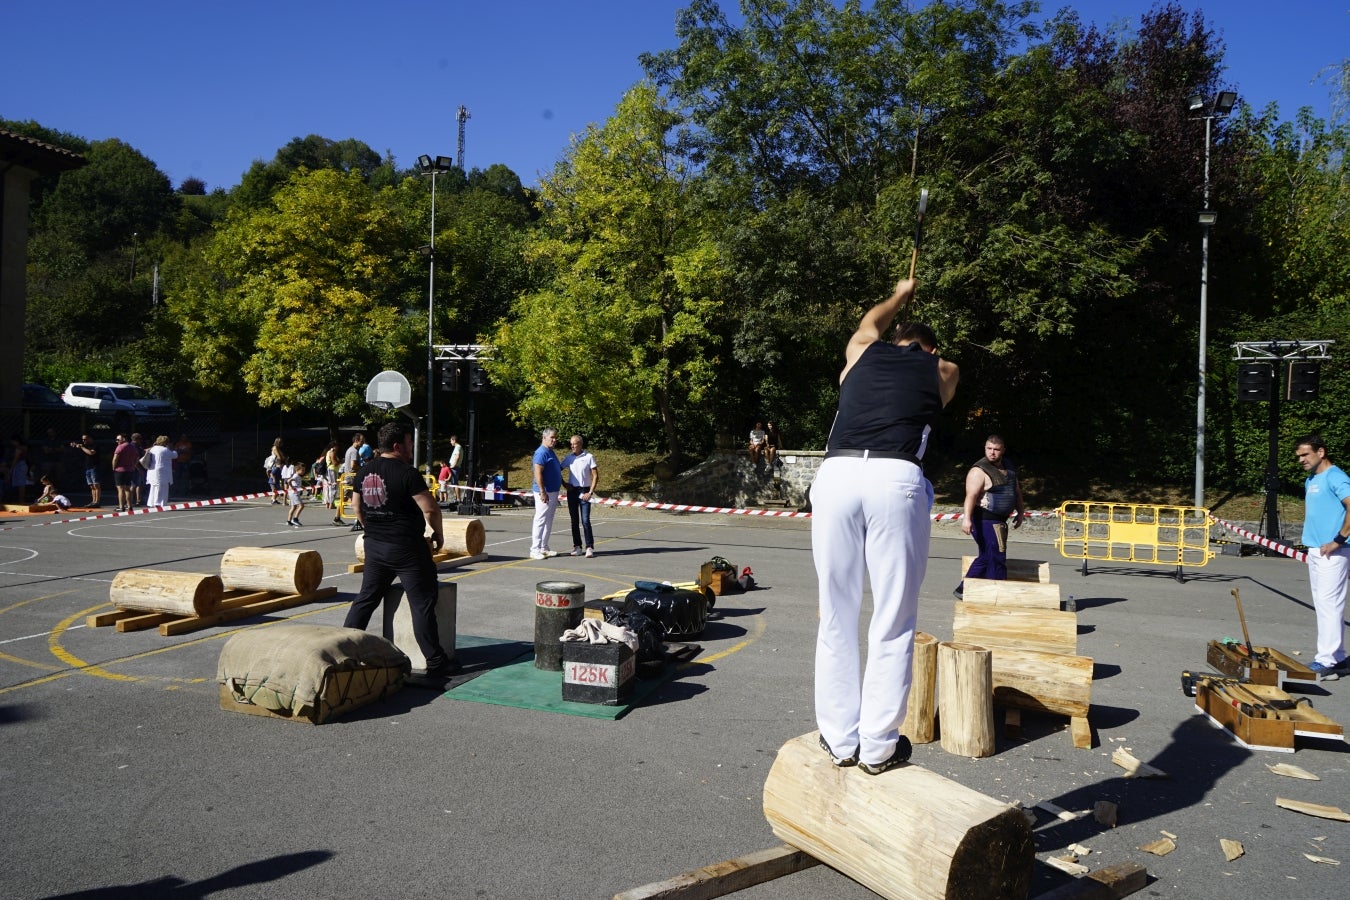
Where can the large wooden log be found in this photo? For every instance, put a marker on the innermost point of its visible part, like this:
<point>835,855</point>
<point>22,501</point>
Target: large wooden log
<point>176,593</point>
<point>1022,628</point>
<point>1011,593</point>
<point>919,715</point>
<point>1018,569</point>
<point>272,569</point>
<point>908,833</point>
<point>464,536</point>
<point>966,699</point>
<point>1046,682</point>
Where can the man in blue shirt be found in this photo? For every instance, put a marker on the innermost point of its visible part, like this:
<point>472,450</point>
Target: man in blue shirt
<point>547,488</point>
<point>1326,528</point>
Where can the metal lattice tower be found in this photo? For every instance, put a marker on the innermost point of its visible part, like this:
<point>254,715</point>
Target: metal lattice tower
<point>463,116</point>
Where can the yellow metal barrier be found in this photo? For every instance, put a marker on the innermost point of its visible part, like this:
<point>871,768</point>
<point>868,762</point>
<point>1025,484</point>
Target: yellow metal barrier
<point>1134,532</point>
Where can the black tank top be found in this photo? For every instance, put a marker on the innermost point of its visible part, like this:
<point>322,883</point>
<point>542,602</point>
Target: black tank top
<point>889,400</point>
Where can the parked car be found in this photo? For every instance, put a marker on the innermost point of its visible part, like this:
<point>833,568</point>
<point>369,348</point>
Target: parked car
<point>123,402</point>
<point>39,396</point>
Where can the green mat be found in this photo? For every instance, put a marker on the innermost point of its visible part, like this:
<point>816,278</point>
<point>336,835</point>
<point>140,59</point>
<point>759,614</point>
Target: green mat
<point>518,683</point>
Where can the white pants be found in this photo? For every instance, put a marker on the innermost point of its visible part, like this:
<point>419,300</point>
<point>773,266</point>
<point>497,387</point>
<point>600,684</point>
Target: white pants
<point>159,494</point>
<point>542,528</point>
<point>871,512</point>
<point>1327,575</point>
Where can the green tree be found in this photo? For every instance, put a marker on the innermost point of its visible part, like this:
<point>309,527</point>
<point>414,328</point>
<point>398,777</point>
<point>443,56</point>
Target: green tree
<point>620,331</point>
<point>303,301</point>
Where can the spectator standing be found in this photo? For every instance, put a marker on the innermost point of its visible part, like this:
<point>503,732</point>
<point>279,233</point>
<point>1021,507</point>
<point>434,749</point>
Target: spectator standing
<point>16,479</point>
<point>138,491</point>
<point>89,454</point>
<point>871,506</point>
<point>547,488</point>
<point>582,473</point>
<point>295,494</point>
<point>182,447</point>
<point>992,495</point>
<point>1326,529</point>
<point>442,470</point>
<point>159,471</point>
<point>125,460</point>
<point>758,439</point>
<point>274,464</point>
<point>456,464</point>
<point>396,509</point>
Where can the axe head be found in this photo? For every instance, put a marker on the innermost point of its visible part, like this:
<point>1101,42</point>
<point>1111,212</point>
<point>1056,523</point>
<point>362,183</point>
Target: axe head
<point>923,201</point>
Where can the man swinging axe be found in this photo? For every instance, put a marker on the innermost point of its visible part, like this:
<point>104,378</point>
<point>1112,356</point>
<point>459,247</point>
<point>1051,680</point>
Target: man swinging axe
<point>992,495</point>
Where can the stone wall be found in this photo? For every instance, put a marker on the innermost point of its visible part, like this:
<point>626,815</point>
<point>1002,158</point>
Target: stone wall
<point>728,478</point>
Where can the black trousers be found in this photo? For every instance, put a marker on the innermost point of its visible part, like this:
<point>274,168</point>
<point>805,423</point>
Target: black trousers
<point>411,563</point>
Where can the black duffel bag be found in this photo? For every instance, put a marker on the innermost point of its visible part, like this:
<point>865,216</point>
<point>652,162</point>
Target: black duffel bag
<point>682,613</point>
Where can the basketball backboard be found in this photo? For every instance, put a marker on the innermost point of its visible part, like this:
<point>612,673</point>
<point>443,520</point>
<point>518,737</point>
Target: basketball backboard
<point>389,390</point>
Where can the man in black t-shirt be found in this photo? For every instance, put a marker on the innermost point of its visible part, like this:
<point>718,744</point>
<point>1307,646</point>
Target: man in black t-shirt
<point>395,508</point>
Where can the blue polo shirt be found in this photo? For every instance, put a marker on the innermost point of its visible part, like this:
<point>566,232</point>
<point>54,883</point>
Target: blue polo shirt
<point>552,469</point>
<point>1323,509</point>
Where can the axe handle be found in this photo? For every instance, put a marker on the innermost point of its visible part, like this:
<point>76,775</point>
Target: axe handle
<point>913,261</point>
<point>1243,619</point>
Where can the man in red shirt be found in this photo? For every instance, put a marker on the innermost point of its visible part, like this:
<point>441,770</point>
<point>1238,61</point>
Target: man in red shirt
<point>125,458</point>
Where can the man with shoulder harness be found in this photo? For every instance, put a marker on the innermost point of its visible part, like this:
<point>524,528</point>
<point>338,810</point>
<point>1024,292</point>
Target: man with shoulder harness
<point>992,496</point>
<point>870,512</point>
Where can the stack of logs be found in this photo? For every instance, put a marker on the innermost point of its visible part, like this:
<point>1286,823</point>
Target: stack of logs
<point>1012,646</point>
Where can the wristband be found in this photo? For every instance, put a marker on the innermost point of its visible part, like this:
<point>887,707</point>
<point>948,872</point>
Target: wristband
<point>1339,539</point>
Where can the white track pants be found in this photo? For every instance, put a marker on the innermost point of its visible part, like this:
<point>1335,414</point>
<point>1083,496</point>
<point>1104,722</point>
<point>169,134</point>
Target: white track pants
<point>541,530</point>
<point>873,513</point>
<point>1327,576</point>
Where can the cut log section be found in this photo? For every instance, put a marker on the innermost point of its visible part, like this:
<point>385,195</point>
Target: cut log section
<point>1042,682</point>
<point>965,699</point>
<point>1046,630</point>
<point>1011,593</point>
<point>909,833</point>
<point>177,593</point>
<point>1033,570</point>
<point>272,569</point>
<point>463,537</point>
<point>919,723</point>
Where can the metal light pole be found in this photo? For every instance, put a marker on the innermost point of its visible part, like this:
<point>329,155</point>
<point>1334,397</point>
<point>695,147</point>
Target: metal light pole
<point>427,165</point>
<point>1222,105</point>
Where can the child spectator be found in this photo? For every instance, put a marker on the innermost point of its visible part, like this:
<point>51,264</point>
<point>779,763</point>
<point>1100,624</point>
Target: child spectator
<point>295,493</point>
<point>51,495</point>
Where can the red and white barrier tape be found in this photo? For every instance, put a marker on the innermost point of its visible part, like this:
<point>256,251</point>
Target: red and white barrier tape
<point>1262,541</point>
<point>190,504</point>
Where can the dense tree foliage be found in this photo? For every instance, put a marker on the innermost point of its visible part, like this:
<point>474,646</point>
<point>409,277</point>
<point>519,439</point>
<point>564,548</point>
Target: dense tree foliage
<point>697,261</point>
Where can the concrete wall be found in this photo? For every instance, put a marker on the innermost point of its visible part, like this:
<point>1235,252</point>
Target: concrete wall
<point>728,478</point>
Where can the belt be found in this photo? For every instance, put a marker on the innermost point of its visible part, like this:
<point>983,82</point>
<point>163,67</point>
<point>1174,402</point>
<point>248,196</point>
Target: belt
<point>876,454</point>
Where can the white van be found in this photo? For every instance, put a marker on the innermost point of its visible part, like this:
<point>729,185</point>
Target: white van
<point>118,400</point>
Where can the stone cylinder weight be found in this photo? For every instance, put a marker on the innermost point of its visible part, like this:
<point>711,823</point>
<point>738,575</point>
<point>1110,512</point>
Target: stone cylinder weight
<point>557,607</point>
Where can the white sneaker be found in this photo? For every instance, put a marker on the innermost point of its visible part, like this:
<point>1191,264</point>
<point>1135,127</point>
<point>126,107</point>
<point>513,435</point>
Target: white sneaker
<point>590,552</point>
<point>576,551</point>
<point>537,554</point>
<point>550,553</point>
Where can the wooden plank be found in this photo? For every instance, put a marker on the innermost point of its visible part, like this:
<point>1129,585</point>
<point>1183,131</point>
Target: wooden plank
<point>727,877</point>
<point>1046,630</point>
<point>1012,724</point>
<point>100,620</point>
<point>1081,732</point>
<point>1011,593</point>
<point>1033,570</point>
<point>1107,883</point>
<point>142,621</point>
<point>257,608</point>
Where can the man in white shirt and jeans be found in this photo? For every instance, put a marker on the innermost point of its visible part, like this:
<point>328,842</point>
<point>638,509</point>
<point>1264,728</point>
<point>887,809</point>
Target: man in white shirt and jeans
<point>582,472</point>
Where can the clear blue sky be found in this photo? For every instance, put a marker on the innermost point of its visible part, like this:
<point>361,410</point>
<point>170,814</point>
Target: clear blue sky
<point>203,89</point>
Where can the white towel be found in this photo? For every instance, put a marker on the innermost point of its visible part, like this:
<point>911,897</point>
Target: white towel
<point>597,631</point>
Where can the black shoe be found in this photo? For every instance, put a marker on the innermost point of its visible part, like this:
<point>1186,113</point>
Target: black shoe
<point>959,593</point>
<point>841,762</point>
<point>449,667</point>
<point>901,755</point>
<point>337,520</point>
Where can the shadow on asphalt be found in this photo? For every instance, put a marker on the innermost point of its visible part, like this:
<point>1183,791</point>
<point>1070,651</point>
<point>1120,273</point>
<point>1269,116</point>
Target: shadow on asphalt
<point>247,874</point>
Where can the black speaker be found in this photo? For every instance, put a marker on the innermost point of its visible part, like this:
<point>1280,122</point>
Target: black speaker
<point>1256,382</point>
<point>478,380</point>
<point>452,375</point>
<point>1303,379</point>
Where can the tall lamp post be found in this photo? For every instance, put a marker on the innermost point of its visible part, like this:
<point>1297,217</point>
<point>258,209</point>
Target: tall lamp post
<point>433,166</point>
<point>1222,105</point>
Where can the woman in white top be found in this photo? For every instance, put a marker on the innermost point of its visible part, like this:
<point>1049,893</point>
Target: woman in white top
<point>159,471</point>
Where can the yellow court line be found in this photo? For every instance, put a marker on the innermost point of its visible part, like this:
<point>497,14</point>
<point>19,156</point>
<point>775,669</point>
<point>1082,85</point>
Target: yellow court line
<point>34,600</point>
<point>28,662</point>
<point>760,625</point>
<point>70,659</point>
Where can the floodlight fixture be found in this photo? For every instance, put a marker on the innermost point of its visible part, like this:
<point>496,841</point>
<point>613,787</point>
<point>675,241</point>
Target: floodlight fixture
<point>1223,104</point>
<point>1207,217</point>
<point>1194,102</point>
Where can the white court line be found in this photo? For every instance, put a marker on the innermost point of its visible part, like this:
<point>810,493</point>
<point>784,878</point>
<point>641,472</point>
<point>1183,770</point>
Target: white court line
<point>29,637</point>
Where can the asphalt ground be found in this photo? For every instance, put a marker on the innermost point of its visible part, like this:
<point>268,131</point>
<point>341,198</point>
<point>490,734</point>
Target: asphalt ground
<point>120,776</point>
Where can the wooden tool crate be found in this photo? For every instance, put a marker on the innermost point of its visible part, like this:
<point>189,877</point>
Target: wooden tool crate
<point>1264,665</point>
<point>1262,717</point>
